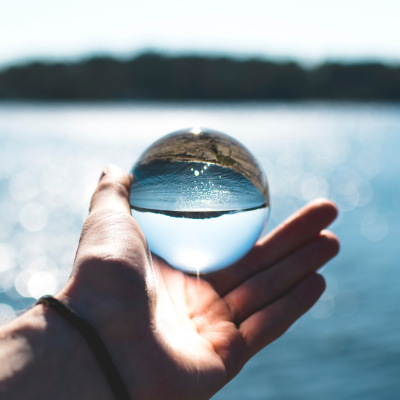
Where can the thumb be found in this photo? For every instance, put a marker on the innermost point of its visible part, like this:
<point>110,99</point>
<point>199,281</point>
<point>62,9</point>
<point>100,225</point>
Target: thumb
<point>112,193</point>
<point>111,241</point>
<point>110,226</point>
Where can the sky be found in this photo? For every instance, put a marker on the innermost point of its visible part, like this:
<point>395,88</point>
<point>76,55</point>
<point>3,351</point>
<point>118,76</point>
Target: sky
<point>310,31</point>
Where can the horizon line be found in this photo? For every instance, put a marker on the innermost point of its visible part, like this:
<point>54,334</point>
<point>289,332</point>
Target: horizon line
<point>303,62</point>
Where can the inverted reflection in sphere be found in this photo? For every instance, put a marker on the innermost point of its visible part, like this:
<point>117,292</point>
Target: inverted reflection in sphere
<point>200,198</point>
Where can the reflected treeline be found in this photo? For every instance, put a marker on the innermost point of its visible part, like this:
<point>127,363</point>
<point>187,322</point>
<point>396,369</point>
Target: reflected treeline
<point>153,76</point>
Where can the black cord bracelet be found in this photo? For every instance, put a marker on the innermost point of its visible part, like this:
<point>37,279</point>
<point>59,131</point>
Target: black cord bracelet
<point>95,343</point>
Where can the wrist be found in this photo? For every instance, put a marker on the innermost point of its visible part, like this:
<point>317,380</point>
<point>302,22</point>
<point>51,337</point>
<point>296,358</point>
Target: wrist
<point>42,356</point>
<point>118,310</point>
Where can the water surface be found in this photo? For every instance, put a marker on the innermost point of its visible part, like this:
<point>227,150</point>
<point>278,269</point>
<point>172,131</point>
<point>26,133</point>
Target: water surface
<point>348,345</point>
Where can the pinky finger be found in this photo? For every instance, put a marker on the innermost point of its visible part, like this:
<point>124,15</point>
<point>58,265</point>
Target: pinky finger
<point>268,324</point>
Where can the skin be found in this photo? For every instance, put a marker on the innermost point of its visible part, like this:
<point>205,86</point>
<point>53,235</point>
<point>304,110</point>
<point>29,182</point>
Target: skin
<point>171,335</point>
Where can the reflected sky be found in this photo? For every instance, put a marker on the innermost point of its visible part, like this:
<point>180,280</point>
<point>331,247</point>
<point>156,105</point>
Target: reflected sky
<point>202,245</point>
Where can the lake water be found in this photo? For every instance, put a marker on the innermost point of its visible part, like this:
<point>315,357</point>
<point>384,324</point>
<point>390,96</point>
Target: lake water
<point>348,345</point>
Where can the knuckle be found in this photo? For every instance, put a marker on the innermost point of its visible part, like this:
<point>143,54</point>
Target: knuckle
<point>107,226</point>
<point>112,186</point>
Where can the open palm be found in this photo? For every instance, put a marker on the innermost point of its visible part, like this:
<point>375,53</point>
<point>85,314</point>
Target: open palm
<point>176,336</point>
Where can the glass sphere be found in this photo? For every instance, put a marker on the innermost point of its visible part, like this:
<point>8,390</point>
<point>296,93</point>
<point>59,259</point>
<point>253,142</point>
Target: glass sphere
<point>200,198</point>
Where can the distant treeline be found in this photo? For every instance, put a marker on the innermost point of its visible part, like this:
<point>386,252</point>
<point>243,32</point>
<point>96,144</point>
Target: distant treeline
<point>154,76</point>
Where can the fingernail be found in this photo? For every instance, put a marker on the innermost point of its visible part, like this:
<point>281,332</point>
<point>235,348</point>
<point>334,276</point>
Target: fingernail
<point>111,169</point>
<point>103,174</point>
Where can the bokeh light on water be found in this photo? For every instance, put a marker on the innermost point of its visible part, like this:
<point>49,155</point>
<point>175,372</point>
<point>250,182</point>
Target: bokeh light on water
<point>348,345</point>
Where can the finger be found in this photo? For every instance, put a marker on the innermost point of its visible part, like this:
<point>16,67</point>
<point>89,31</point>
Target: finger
<point>110,230</point>
<point>266,325</point>
<point>112,192</point>
<point>270,284</point>
<point>295,232</point>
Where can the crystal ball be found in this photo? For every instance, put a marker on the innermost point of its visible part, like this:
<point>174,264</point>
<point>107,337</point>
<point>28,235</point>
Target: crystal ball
<point>200,198</point>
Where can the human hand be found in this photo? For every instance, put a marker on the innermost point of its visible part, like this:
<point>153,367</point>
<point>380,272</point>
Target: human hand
<point>175,336</point>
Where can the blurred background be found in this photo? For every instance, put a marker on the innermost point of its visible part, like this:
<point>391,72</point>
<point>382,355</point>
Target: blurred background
<point>311,88</point>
